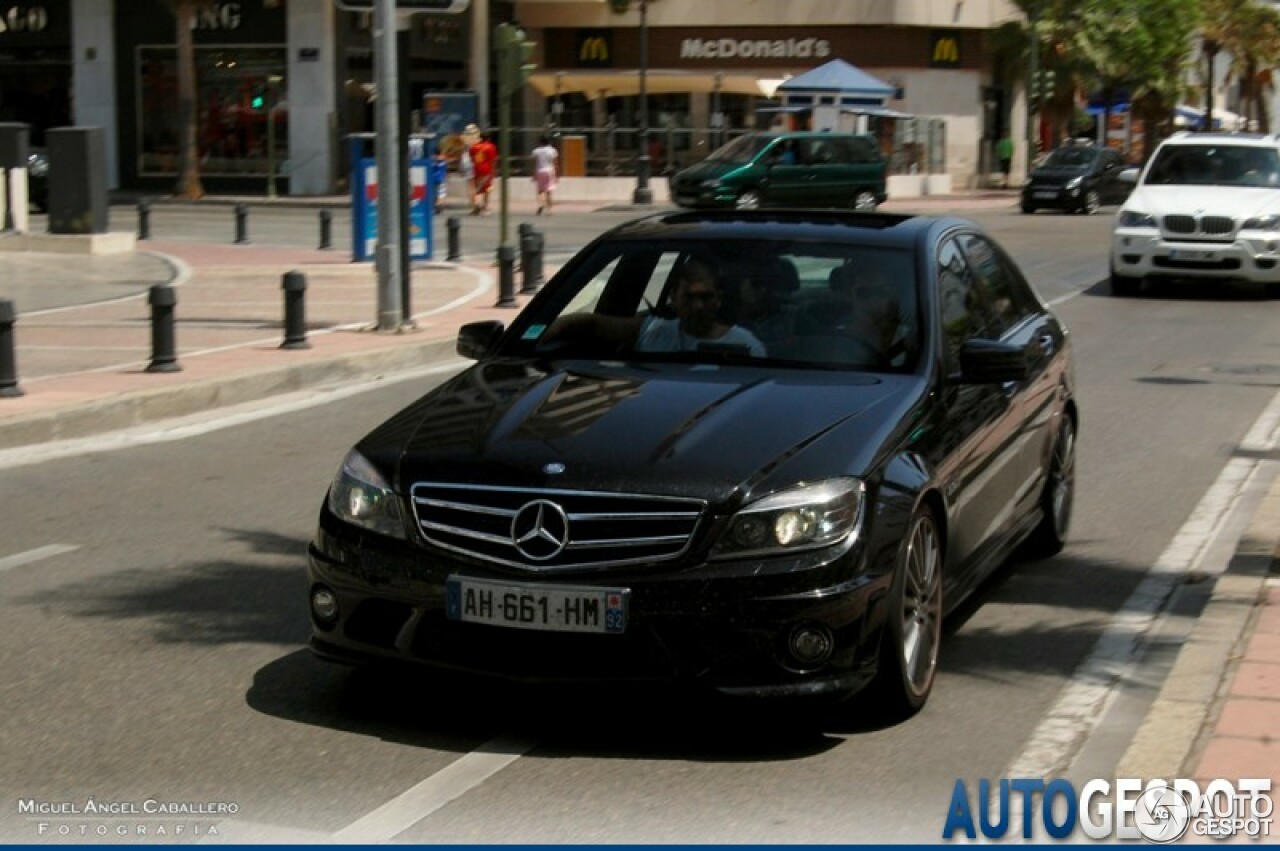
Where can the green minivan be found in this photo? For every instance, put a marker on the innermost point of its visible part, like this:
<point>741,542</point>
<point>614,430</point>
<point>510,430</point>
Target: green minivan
<point>809,169</point>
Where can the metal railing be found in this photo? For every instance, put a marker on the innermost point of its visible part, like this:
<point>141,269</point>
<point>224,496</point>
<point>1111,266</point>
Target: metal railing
<point>918,146</point>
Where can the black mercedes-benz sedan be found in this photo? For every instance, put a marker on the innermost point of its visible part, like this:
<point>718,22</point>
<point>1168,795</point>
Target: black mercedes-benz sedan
<point>761,451</point>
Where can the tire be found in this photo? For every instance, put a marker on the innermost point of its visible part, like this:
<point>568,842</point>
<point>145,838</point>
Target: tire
<point>748,200</point>
<point>1091,202</point>
<point>1028,208</point>
<point>1125,287</point>
<point>864,201</point>
<point>913,631</point>
<point>1058,496</point>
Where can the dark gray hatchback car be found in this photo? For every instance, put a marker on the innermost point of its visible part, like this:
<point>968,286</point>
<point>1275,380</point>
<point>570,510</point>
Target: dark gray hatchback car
<point>761,452</point>
<point>1076,178</point>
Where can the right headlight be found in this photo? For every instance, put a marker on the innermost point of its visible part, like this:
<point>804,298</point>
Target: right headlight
<point>37,166</point>
<point>802,518</point>
<point>1136,219</point>
<point>362,497</point>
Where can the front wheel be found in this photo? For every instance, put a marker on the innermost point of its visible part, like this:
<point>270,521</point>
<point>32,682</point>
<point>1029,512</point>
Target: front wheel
<point>1091,203</point>
<point>1028,209</point>
<point>864,201</point>
<point>1125,287</point>
<point>749,200</point>
<point>913,633</point>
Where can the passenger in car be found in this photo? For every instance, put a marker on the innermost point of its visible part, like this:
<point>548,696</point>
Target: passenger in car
<point>697,300</point>
<point>866,306</point>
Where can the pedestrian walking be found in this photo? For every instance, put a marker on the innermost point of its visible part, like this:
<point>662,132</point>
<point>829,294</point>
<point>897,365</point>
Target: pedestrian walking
<point>545,158</point>
<point>484,158</point>
<point>1004,153</point>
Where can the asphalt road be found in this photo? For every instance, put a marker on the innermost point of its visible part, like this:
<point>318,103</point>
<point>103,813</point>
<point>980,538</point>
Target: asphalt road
<point>154,627</point>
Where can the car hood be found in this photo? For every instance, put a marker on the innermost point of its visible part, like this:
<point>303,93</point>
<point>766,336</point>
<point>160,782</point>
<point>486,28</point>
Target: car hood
<point>670,429</point>
<point>1058,175</point>
<point>1235,201</point>
<point>706,170</point>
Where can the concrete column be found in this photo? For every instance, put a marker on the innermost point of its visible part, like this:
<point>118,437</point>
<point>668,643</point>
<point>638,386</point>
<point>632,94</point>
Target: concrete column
<point>312,96</point>
<point>93,75</point>
<point>478,60</point>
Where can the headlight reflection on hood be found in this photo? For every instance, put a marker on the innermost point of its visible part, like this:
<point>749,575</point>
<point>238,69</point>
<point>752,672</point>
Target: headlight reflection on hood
<point>361,496</point>
<point>801,518</point>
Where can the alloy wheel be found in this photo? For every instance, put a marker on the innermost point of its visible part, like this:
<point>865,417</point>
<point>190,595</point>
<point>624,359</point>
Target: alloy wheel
<point>921,605</point>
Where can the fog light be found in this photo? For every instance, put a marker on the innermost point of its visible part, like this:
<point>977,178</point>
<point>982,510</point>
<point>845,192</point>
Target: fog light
<point>324,605</point>
<point>811,645</point>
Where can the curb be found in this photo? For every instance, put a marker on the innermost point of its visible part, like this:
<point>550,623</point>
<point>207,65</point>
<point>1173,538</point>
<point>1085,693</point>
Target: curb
<point>146,406</point>
<point>1182,718</point>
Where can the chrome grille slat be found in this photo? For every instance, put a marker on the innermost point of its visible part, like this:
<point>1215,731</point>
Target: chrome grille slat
<point>606,543</point>
<point>605,528</point>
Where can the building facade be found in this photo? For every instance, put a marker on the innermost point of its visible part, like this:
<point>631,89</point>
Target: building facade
<point>282,82</point>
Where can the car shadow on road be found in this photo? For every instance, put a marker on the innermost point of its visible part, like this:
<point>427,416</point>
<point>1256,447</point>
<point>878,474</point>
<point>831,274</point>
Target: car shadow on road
<point>445,711</point>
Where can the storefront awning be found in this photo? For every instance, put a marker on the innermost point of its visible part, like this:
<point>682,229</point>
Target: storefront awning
<point>613,82</point>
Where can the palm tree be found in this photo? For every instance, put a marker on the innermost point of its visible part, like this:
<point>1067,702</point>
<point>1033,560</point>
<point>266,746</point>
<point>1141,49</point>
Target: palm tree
<point>1249,32</point>
<point>188,185</point>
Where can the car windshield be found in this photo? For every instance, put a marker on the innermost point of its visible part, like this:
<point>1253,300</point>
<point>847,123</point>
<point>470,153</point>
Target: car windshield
<point>741,150</point>
<point>785,303</point>
<point>1215,165</point>
<point>1071,157</point>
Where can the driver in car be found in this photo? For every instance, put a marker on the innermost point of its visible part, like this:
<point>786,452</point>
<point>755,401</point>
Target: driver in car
<point>697,301</point>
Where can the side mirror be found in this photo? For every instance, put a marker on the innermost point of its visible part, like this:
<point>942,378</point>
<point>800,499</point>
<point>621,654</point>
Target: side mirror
<point>1129,175</point>
<point>477,339</point>
<point>992,362</point>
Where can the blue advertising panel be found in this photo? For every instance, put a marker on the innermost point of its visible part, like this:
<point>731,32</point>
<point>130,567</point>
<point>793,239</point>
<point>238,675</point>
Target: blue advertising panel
<point>364,199</point>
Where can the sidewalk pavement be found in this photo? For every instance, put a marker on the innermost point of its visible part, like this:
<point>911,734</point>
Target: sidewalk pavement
<point>83,345</point>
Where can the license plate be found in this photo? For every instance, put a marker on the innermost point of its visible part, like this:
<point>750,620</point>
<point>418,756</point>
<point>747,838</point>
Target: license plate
<point>1046,193</point>
<point>559,608</point>
<point>1190,254</point>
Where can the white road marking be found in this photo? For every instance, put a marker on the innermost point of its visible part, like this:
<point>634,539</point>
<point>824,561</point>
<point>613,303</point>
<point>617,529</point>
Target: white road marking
<point>209,421</point>
<point>1096,684</point>
<point>38,554</point>
<point>415,804</point>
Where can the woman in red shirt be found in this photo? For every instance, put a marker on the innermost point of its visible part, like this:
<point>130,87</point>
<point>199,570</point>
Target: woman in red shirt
<point>484,158</point>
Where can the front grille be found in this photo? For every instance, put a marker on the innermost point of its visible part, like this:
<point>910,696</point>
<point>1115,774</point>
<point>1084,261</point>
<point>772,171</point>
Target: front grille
<point>1206,225</point>
<point>558,529</point>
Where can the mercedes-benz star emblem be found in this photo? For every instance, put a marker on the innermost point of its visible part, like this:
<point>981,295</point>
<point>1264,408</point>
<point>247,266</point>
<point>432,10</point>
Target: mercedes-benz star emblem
<point>540,530</point>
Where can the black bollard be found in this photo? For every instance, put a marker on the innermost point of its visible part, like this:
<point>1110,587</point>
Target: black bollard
<point>326,230</point>
<point>506,277</point>
<point>144,219</point>
<point>530,261</point>
<point>454,225</point>
<point>242,224</point>
<point>164,351</point>
<point>295,316</point>
<point>8,362</point>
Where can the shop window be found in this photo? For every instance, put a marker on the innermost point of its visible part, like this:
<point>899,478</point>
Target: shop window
<point>240,92</point>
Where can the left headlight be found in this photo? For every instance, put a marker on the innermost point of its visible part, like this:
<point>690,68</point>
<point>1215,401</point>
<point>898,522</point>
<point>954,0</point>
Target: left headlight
<point>1074,183</point>
<point>801,518</point>
<point>37,166</point>
<point>1271,222</point>
<point>361,496</point>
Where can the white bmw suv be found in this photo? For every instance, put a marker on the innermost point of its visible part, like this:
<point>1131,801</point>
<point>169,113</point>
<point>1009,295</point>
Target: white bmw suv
<point>1206,206</point>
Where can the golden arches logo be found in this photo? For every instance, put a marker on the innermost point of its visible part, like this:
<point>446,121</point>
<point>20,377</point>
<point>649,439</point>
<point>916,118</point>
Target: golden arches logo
<point>593,49</point>
<point>946,50</point>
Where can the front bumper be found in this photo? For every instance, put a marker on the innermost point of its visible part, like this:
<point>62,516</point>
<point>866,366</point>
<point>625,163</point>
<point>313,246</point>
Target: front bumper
<point>1252,256</point>
<point>725,626</point>
<point>1058,197</point>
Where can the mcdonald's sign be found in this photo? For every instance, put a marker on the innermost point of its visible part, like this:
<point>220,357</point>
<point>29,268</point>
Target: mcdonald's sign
<point>595,49</point>
<point>944,50</point>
